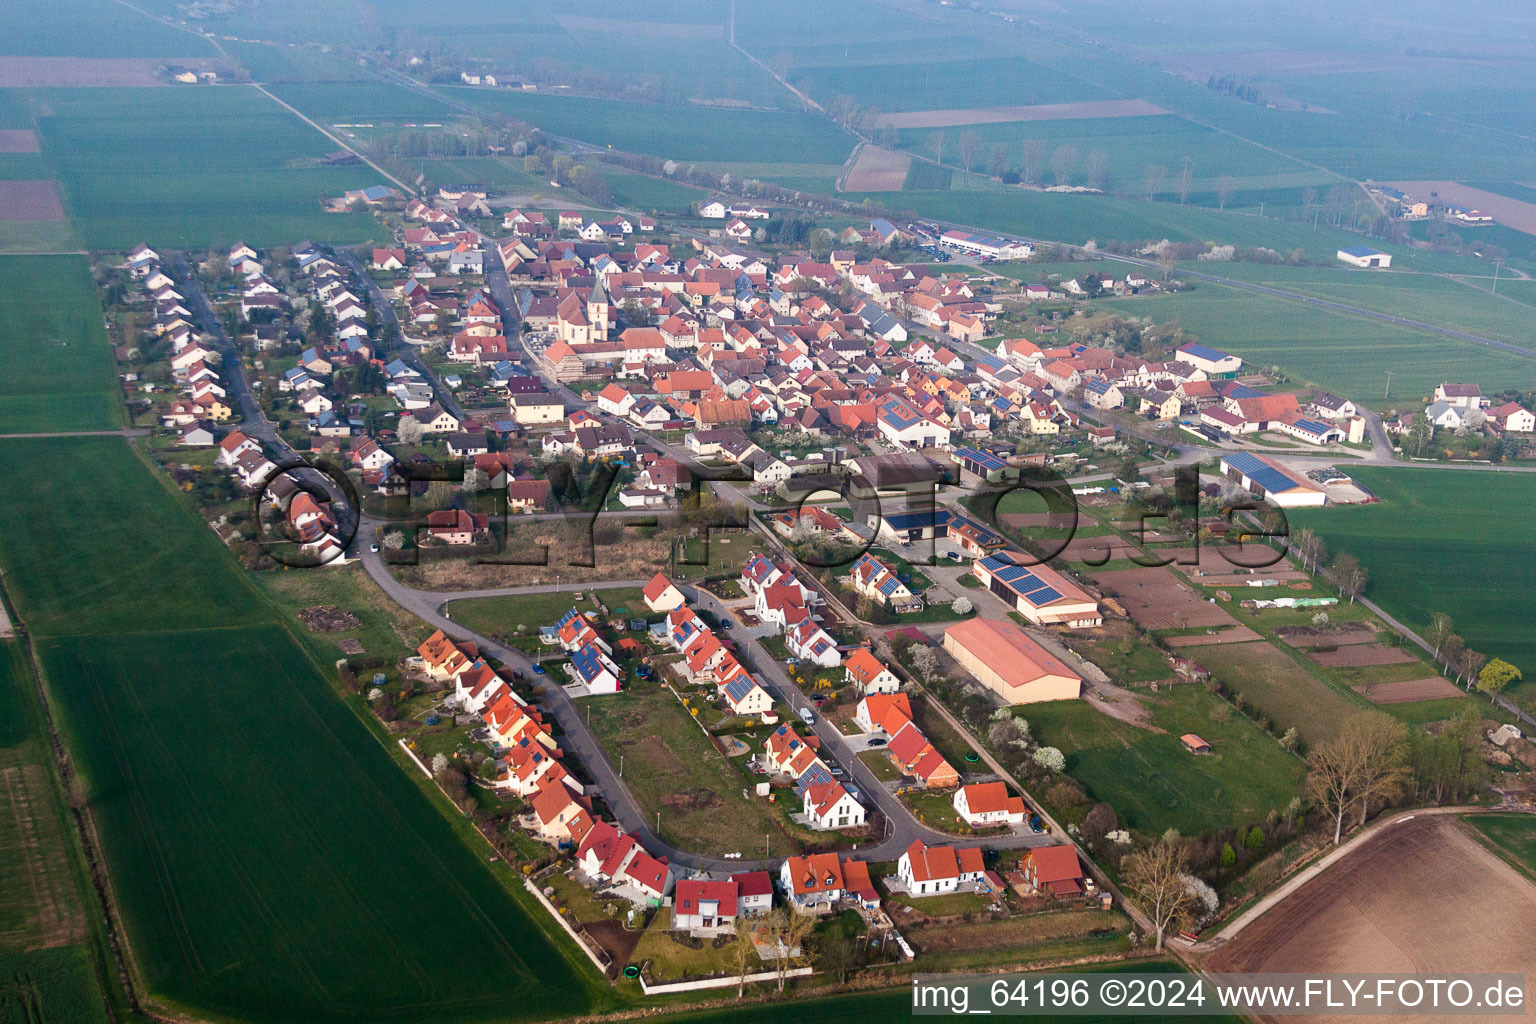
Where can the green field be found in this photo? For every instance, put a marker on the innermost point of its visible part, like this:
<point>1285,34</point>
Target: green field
<point>327,102</point>
<point>50,986</point>
<point>93,28</point>
<point>1467,523</point>
<point>1130,145</point>
<point>673,768</point>
<point>1151,781</point>
<point>1345,354</point>
<point>193,167</point>
<point>1280,687</point>
<point>1512,836</point>
<point>55,362</point>
<point>929,84</point>
<point>642,192</point>
<point>672,131</point>
<point>271,859</point>
<point>278,62</point>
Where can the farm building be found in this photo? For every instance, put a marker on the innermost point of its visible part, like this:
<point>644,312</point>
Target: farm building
<point>1038,592</point>
<point>1365,256</point>
<point>1007,661</point>
<point>1269,481</point>
<point>1216,364</point>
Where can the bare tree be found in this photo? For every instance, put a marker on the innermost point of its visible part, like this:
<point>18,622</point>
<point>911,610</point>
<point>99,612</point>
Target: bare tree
<point>1098,168</point>
<point>790,930</point>
<point>1332,780</point>
<point>937,141</point>
<point>1156,175</point>
<point>743,954</point>
<point>1063,163</point>
<point>1156,875</point>
<point>1380,743</point>
<point>1350,575</point>
<point>970,149</point>
<point>1034,153</point>
<point>1450,653</point>
<point>1436,632</point>
<point>1224,188</point>
<point>1185,181</point>
<point>997,160</point>
<point>1471,662</point>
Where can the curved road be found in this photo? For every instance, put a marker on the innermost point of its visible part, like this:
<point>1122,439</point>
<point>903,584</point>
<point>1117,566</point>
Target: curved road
<point>901,827</point>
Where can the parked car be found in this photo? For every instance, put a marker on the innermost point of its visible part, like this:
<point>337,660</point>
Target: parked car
<point>876,741</point>
<point>837,771</point>
<point>1035,824</point>
<point>807,716</point>
<point>538,669</point>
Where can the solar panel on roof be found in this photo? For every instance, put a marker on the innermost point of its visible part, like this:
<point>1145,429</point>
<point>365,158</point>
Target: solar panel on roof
<point>1036,584</point>
<point>1043,596</point>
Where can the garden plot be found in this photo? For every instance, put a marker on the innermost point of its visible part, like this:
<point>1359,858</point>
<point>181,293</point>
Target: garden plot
<point>1157,599</point>
<point>1358,655</point>
<point>1406,691</point>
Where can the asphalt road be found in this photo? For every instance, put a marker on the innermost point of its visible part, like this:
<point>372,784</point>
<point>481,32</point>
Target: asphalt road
<point>901,829</point>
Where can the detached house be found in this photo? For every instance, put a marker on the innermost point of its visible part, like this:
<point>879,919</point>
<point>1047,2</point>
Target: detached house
<point>661,595</point>
<point>932,870</point>
<point>988,803</point>
<point>816,884</point>
<point>702,907</point>
<point>869,673</point>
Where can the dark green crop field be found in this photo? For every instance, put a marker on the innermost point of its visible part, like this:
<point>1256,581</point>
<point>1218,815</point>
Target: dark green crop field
<point>271,860</point>
<point>1445,541</point>
<point>673,131</point>
<point>55,363</point>
<point>194,168</point>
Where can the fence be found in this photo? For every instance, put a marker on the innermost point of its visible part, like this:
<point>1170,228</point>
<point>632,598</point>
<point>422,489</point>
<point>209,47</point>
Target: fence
<point>661,988</point>
<point>602,968</point>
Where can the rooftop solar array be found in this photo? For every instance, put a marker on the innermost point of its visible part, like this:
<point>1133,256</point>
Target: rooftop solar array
<point>1021,581</point>
<point>1261,473</point>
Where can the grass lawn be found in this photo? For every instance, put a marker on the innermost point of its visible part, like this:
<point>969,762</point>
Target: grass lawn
<point>202,729</point>
<point>1464,519</point>
<point>1152,781</point>
<point>386,630</point>
<point>942,905</point>
<point>724,553</point>
<point>878,762</point>
<point>935,808</point>
<point>1511,836</point>
<point>498,616</point>
<point>1125,659</point>
<point>194,168</point>
<point>1281,687</point>
<point>672,767</point>
<point>671,961</point>
<point>56,370</point>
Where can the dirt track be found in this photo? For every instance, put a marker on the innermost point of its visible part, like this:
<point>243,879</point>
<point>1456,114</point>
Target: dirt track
<point>1421,897</point>
<point>1040,112</point>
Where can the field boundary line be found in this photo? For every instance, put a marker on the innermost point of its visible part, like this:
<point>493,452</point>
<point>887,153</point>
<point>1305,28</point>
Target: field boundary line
<point>334,138</point>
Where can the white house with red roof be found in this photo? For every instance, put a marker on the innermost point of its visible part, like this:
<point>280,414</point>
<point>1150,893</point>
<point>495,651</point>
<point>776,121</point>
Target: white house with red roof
<point>809,642</point>
<point>661,595</point>
<point>827,805</point>
<point>754,892</point>
<point>705,907</point>
<point>984,804</point>
<point>932,870</point>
